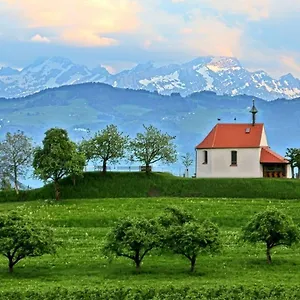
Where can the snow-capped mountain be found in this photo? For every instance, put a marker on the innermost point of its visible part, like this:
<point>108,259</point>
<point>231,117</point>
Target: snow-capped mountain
<point>223,75</point>
<point>46,73</point>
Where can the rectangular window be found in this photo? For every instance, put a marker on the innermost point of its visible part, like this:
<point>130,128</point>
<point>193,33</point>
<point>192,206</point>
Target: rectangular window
<point>205,157</point>
<point>233,158</point>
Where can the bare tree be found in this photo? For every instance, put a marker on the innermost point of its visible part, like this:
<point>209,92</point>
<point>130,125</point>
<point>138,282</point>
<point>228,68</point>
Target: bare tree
<point>187,161</point>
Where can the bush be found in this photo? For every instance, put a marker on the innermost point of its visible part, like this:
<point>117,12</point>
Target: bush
<point>166,293</point>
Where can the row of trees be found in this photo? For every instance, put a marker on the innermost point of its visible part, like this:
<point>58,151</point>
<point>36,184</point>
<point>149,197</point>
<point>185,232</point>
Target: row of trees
<point>59,156</point>
<point>175,230</point>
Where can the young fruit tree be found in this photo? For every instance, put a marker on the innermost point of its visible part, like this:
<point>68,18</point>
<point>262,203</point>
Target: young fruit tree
<point>273,228</point>
<point>192,239</point>
<point>187,161</point>
<point>153,146</point>
<point>21,237</point>
<point>57,158</point>
<point>107,145</point>
<point>15,156</point>
<point>133,239</point>
<point>184,235</point>
<point>293,155</point>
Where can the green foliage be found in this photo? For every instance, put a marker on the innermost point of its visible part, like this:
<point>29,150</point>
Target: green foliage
<point>58,158</point>
<point>15,156</point>
<point>107,145</point>
<point>273,228</point>
<point>21,237</point>
<point>168,292</point>
<point>153,146</point>
<point>185,236</point>
<point>133,239</point>
<point>293,154</point>
<point>175,216</point>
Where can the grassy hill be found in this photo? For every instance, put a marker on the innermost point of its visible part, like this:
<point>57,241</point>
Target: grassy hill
<point>134,184</point>
<point>80,270</point>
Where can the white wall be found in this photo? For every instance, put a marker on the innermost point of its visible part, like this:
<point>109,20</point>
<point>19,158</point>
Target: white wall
<point>219,163</point>
<point>288,171</point>
<point>263,140</point>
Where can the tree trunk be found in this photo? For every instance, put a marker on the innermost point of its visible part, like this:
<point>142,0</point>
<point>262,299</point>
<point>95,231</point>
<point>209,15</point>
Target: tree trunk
<point>148,169</point>
<point>193,263</point>
<point>269,259</point>
<point>138,266</point>
<point>10,266</point>
<point>187,173</point>
<point>74,180</point>
<point>293,171</point>
<point>57,192</point>
<point>137,261</point>
<point>104,167</point>
<point>16,181</point>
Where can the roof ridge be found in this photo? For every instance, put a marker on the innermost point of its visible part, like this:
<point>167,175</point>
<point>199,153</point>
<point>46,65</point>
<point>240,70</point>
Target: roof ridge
<point>215,134</point>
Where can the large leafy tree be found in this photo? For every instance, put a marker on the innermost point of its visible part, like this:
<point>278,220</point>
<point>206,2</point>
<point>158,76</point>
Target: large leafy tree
<point>15,156</point>
<point>153,146</point>
<point>57,158</point>
<point>133,239</point>
<point>21,237</point>
<point>273,228</point>
<point>107,145</point>
<point>186,236</point>
<point>187,161</point>
<point>293,155</point>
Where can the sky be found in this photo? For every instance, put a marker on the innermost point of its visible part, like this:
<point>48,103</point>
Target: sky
<point>118,34</point>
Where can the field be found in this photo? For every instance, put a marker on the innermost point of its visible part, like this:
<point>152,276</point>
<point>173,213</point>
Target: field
<point>82,225</point>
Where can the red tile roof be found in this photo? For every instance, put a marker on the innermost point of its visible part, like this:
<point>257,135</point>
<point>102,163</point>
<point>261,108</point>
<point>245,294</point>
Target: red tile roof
<point>233,136</point>
<point>269,156</point>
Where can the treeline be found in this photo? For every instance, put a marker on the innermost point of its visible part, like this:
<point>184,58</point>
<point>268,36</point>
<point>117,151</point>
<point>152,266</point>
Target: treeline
<point>175,231</point>
<point>59,156</point>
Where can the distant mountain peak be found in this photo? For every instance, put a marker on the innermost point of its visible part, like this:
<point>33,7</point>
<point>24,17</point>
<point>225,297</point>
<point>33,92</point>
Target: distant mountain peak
<point>220,74</point>
<point>7,71</point>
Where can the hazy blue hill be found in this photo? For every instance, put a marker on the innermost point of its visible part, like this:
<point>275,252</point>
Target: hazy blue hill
<point>94,105</point>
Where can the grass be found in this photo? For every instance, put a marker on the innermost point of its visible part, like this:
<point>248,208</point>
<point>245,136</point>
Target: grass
<point>82,225</point>
<point>136,184</point>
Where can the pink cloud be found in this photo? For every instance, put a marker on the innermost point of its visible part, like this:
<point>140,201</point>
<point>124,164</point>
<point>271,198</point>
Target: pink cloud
<point>86,23</point>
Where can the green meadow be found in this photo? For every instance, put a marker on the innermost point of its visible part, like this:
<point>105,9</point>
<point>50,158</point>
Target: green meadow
<point>81,225</point>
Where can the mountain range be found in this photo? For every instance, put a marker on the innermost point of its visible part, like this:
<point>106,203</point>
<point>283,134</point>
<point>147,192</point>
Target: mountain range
<point>222,75</point>
<point>89,107</point>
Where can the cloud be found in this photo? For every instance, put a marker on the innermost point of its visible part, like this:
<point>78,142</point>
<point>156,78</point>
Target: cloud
<point>40,39</point>
<point>291,64</point>
<point>86,38</point>
<point>253,9</point>
<point>84,23</point>
<point>210,36</point>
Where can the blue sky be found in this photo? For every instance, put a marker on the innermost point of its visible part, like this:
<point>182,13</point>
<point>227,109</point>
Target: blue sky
<point>262,34</point>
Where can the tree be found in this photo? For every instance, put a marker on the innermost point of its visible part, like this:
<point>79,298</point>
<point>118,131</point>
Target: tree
<point>21,237</point>
<point>185,236</point>
<point>16,156</point>
<point>153,146</point>
<point>273,228</point>
<point>187,161</point>
<point>57,158</point>
<point>293,155</point>
<point>133,239</point>
<point>107,145</point>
